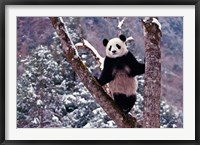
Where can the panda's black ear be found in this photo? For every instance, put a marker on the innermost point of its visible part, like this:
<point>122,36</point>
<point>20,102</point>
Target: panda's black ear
<point>105,42</point>
<point>122,37</point>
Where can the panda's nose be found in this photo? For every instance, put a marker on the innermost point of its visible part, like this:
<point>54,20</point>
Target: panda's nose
<point>114,51</point>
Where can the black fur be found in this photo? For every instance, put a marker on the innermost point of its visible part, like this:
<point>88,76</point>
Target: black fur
<point>122,37</point>
<point>125,103</point>
<point>119,63</point>
<point>105,42</point>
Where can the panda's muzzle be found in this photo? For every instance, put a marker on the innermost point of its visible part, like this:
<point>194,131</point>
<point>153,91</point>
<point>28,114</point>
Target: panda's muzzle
<point>114,51</point>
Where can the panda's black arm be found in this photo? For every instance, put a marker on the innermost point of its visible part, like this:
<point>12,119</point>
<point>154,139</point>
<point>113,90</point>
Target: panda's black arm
<point>140,69</point>
<point>104,78</point>
<point>106,74</point>
<point>137,68</point>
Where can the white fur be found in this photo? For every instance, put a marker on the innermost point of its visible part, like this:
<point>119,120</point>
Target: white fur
<point>119,52</point>
<point>123,84</point>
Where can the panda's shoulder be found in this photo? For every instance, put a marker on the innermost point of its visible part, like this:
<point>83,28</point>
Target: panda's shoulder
<point>130,56</point>
<point>127,56</point>
<point>109,61</point>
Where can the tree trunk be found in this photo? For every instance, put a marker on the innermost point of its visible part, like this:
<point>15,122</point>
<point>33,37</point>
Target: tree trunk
<point>152,35</point>
<point>101,97</point>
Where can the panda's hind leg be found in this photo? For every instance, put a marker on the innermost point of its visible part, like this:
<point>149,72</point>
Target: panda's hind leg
<point>124,102</point>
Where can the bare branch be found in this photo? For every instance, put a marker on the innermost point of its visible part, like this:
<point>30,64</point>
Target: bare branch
<point>102,98</point>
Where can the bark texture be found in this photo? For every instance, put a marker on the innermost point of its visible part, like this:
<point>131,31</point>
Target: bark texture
<point>152,35</point>
<point>101,97</point>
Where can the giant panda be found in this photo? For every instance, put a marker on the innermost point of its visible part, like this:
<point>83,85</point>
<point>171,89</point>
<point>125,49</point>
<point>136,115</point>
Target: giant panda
<point>120,69</point>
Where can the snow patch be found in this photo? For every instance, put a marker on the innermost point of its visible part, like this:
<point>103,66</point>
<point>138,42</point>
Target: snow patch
<point>98,111</point>
<point>35,121</point>
<point>54,118</point>
<point>32,91</point>
<point>39,102</point>
<point>84,56</point>
<point>69,98</point>
<point>111,123</point>
<point>88,125</point>
<point>63,84</point>
<point>82,100</point>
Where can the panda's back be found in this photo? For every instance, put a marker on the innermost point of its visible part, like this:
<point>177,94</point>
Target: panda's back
<point>122,83</point>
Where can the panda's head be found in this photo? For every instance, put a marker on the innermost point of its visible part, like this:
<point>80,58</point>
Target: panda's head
<point>115,47</point>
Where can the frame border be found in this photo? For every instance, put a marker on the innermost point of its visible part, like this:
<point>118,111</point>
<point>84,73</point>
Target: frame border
<point>3,4</point>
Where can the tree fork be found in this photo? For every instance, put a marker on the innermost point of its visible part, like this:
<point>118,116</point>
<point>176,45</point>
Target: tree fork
<point>152,35</point>
<point>102,98</point>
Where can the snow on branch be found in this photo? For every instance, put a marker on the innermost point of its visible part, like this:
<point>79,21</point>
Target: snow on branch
<point>152,20</point>
<point>97,56</point>
<point>119,26</point>
<point>101,97</point>
<point>152,25</point>
<point>155,21</point>
<point>130,39</point>
<point>120,23</point>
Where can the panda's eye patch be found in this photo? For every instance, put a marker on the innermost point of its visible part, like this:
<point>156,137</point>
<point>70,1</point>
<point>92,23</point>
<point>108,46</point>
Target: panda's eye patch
<point>110,48</point>
<point>118,46</point>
